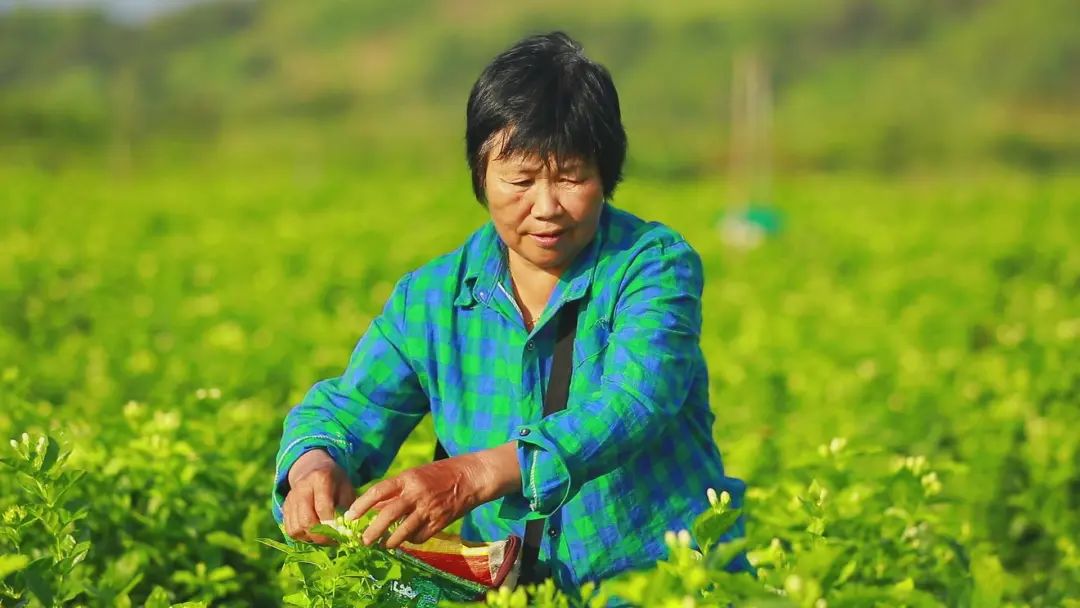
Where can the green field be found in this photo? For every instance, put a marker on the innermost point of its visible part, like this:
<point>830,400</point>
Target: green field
<point>200,214</point>
<point>160,326</point>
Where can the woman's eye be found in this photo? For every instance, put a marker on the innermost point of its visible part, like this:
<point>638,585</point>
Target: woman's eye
<point>525,183</point>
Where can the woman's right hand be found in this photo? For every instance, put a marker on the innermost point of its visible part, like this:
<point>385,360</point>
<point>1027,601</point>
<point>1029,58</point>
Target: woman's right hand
<point>317,487</point>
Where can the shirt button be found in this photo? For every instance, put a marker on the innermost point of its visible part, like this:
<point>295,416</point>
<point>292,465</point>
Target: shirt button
<point>523,432</point>
<point>553,532</point>
<point>529,345</point>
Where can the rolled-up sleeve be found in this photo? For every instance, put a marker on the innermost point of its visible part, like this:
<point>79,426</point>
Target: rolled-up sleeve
<point>651,360</point>
<point>361,417</point>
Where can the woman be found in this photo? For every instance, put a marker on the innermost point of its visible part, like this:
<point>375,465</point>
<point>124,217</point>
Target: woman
<point>470,336</point>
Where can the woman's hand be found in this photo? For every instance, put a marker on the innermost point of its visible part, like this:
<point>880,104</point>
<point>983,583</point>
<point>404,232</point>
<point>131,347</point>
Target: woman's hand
<point>430,497</point>
<point>317,486</point>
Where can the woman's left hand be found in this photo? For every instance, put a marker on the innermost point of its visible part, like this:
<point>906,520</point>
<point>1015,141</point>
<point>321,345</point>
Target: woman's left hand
<point>430,497</point>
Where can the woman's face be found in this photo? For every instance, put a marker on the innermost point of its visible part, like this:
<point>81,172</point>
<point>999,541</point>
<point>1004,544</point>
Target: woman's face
<point>545,214</point>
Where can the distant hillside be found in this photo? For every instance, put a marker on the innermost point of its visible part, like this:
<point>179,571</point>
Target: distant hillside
<point>880,84</point>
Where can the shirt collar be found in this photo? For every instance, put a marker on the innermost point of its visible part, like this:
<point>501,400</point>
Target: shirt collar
<point>486,266</point>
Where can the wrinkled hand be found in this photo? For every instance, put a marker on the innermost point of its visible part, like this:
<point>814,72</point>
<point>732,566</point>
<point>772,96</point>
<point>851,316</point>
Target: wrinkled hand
<point>317,486</point>
<point>430,497</point>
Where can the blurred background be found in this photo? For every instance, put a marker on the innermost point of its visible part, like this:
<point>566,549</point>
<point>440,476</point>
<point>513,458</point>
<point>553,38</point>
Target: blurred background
<point>886,86</point>
<point>204,203</point>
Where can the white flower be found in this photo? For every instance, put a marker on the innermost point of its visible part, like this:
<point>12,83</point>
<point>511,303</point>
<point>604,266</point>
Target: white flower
<point>711,494</point>
<point>341,528</point>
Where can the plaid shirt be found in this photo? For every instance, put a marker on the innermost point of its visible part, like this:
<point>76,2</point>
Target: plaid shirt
<point>631,456</point>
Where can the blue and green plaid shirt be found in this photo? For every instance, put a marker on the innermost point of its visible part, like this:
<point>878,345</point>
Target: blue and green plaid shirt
<point>630,457</point>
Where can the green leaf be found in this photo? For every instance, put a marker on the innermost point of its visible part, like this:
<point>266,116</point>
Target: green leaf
<point>315,557</point>
<point>221,574</point>
<point>9,564</point>
<point>713,524</point>
<point>297,599</point>
<point>329,532</point>
<point>273,544</point>
<point>36,582</point>
<point>250,528</point>
<point>989,581</point>
<point>220,538</point>
<point>52,452</point>
<point>722,554</point>
<point>159,598</point>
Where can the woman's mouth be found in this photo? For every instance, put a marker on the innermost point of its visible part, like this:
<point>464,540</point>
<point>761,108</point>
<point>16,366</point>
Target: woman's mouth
<point>548,240</point>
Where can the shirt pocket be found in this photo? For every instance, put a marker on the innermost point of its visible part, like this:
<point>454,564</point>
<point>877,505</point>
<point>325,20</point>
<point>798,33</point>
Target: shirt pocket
<point>590,343</point>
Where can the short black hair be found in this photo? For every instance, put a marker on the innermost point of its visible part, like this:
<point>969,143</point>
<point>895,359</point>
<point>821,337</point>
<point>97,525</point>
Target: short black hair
<point>557,102</point>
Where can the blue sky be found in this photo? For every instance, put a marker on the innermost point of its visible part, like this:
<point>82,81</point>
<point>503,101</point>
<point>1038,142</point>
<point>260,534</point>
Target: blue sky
<point>123,10</point>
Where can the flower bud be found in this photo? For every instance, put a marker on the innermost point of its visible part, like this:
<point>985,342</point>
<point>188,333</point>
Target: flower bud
<point>931,484</point>
<point>793,584</point>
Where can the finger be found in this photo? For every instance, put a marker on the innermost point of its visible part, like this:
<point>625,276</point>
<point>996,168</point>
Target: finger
<point>345,495</point>
<point>286,518</point>
<point>423,533</point>
<point>292,527</point>
<point>378,526</point>
<point>380,492</point>
<point>407,528</point>
<point>379,506</point>
<point>324,502</point>
<point>306,517</point>
<point>286,506</point>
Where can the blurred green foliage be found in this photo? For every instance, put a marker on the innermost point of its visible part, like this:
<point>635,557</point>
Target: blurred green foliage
<point>879,84</point>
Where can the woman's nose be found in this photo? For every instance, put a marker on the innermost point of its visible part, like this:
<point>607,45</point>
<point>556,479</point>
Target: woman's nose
<point>546,201</point>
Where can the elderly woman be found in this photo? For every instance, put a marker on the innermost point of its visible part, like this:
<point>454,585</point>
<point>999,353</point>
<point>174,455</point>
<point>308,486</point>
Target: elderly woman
<point>471,338</point>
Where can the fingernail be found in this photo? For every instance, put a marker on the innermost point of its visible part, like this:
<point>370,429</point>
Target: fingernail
<point>349,515</point>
